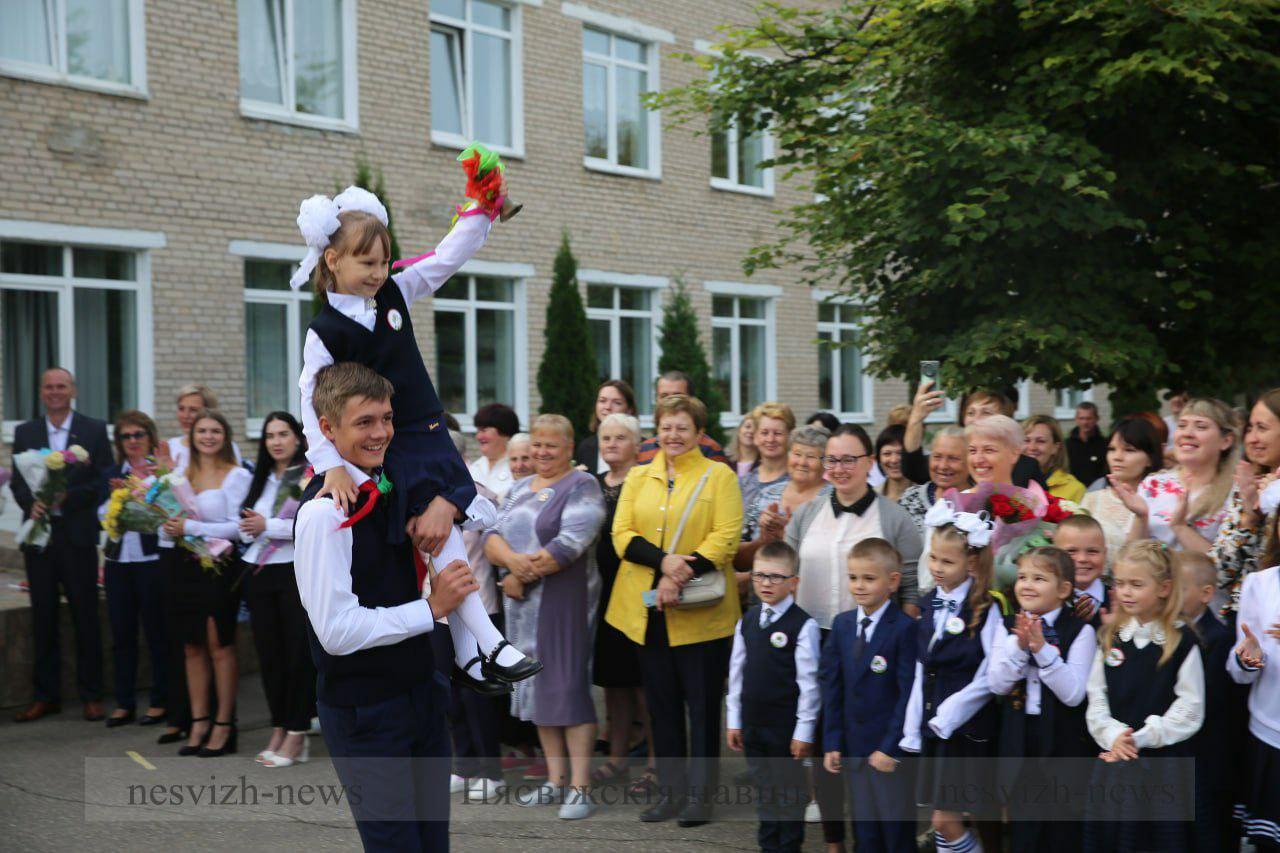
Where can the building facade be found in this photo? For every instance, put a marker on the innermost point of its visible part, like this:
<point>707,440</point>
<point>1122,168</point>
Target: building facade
<point>155,152</point>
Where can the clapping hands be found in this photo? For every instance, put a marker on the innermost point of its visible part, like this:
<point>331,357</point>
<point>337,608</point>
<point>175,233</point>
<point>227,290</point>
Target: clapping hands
<point>1029,629</point>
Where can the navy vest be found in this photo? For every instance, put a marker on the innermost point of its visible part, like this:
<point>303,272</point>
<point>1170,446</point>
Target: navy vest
<point>1062,728</point>
<point>391,352</point>
<point>770,692</point>
<point>382,575</point>
<point>1139,687</point>
<point>949,666</point>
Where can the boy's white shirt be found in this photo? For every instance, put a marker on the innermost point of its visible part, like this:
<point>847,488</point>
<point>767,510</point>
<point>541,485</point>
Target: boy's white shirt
<point>423,278</point>
<point>808,641</point>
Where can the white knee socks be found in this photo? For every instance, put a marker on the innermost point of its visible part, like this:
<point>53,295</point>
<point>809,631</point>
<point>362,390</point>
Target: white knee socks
<point>469,626</point>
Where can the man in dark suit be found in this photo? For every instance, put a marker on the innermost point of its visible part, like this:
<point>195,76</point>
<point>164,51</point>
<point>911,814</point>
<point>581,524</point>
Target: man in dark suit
<point>70,560</point>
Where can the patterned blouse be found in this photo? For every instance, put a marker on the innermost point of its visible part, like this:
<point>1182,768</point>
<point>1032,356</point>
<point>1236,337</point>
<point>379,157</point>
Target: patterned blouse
<point>1161,491</point>
<point>1236,550</point>
<point>917,501</point>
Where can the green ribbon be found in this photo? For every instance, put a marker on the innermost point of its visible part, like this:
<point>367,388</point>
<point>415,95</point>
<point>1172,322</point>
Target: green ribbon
<point>384,485</point>
<point>489,159</point>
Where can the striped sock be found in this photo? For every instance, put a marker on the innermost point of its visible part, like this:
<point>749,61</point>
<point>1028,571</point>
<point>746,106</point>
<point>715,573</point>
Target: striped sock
<point>967,843</point>
<point>940,842</point>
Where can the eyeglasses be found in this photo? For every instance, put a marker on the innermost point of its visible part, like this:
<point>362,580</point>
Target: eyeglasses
<point>769,579</point>
<point>830,462</point>
<point>131,436</point>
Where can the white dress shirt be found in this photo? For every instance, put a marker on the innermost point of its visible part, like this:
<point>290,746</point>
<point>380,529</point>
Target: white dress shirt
<point>58,435</point>
<point>278,531</point>
<point>322,568</point>
<point>807,644</point>
<point>1184,716</point>
<point>495,476</point>
<point>1260,609</point>
<point>422,279</point>
<point>958,708</point>
<point>131,541</point>
<point>1010,664</point>
<point>870,630</point>
<point>1097,591</point>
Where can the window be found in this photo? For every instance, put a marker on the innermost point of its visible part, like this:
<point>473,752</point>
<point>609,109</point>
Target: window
<point>479,349</point>
<point>736,159</point>
<point>1066,400</point>
<point>475,83</point>
<point>96,44</point>
<point>298,61</point>
<point>623,321</point>
<point>620,135</point>
<point>843,384</point>
<point>742,350</point>
<point>275,327</point>
<point>83,307</point>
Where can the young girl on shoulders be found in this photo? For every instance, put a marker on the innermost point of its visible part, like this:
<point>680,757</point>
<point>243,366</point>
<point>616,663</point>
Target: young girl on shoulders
<point>951,719</point>
<point>1146,701</point>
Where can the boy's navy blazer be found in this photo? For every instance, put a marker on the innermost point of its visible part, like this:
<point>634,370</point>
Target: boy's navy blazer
<point>863,710</point>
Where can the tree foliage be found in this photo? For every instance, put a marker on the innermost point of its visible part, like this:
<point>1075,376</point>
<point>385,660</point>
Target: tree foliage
<point>682,350</point>
<point>1067,190</point>
<point>567,375</point>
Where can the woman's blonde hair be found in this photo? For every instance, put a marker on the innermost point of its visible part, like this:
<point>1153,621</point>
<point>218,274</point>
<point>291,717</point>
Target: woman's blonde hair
<point>982,573</point>
<point>735,446</point>
<point>1157,559</point>
<point>226,456</point>
<point>207,398</point>
<point>1000,427</point>
<point>1211,499</point>
<point>1058,461</point>
<point>357,235</point>
<point>777,411</point>
<point>557,423</point>
<point>675,403</point>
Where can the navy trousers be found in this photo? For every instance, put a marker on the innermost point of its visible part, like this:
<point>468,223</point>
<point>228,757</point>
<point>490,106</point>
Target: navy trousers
<point>781,787</point>
<point>74,570</point>
<point>880,802</point>
<point>392,758</point>
<point>133,597</point>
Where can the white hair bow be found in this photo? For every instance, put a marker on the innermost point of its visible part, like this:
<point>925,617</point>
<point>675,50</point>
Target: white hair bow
<point>318,220</point>
<point>1269,500</point>
<point>976,526</point>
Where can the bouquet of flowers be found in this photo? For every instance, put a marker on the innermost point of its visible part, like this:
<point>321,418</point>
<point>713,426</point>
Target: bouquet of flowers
<point>129,512</point>
<point>288,500</point>
<point>46,472</point>
<point>173,496</point>
<point>1024,518</point>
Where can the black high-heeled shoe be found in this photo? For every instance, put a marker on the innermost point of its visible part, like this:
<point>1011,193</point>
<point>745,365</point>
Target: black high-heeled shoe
<point>188,749</point>
<point>124,720</point>
<point>486,686</point>
<point>526,667</point>
<point>227,748</point>
<point>173,737</point>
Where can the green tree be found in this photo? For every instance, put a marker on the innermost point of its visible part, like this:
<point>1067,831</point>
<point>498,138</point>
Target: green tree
<point>682,350</point>
<point>567,375</point>
<point>1063,190</point>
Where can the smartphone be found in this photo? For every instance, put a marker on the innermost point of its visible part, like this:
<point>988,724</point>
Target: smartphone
<point>929,373</point>
<point>650,598</point>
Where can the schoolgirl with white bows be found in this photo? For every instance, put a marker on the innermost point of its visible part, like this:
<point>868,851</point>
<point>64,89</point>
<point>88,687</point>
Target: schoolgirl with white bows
<point>1146,700</point>
<point>365,319</point>
<point>951,718</point>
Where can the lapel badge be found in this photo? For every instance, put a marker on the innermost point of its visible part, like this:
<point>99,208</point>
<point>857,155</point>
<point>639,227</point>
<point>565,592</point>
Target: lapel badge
<point>394,320</point>
<point>1115,657</point>
<point>955,625</point>
<point>778,639</point>
<point>879,664</point>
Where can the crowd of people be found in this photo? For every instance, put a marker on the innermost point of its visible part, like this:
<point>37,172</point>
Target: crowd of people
<point>808,593</point>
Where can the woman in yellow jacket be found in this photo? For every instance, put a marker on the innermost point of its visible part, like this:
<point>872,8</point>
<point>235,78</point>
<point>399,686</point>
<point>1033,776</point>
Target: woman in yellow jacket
<point>684,654</point>
<point>1045,445</point>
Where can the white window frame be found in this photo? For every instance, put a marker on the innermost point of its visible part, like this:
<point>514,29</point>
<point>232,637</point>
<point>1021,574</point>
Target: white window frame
<point>652,283</point>
<point>293,300</point>
<point>69,237</point>
<point>733,182</point>
<point>1067,413</point>
<point>287,113</point>
<point>835,328</point>
<point>652,37</point>
<point>56,16</point>
<point>516,37</point>
<point>517,274</point>
<point>769,294</point>
<point>1023,410</point>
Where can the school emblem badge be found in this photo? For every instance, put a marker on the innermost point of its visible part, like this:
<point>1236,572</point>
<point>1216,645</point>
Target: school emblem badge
<point>955,625</point>
<point>394,320</point>
<point>778,639</point>
<point>879,664</point>
<point>1115,657</point>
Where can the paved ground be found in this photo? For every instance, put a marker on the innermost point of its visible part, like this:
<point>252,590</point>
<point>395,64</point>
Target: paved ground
<point>46,805</point>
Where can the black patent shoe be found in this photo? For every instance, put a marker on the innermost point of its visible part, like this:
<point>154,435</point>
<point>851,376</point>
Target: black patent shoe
<point>188,749</point>
<point>123,720</point>
<point>172,737</point>
<point>526,667</point>
<point>226,749</point>
<point>484,687</point>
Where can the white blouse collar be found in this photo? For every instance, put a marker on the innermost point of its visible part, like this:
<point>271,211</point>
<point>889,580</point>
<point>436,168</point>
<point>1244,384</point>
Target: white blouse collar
<point>349,304</point>
<point>1151,631</point>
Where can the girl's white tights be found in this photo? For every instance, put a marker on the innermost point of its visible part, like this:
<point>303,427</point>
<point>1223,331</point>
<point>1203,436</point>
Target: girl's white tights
<point>470,627</point>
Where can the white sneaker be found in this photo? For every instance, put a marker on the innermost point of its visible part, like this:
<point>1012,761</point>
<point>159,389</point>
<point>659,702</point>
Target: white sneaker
<point>458,784</point>
<point>812,814</point>
<point>483,790</point>
<point>577,805</point>
<point>545,794</point>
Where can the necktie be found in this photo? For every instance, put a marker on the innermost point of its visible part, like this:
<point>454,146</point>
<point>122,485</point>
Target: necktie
<point>768,616</point>
<point>372,490</point>
<point>1050,635</point>
<point>860,641</point>
<point>950,605</point>
<point>947,606</point>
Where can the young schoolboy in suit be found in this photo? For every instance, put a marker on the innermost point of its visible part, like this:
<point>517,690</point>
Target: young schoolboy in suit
<point>1082,538</point>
